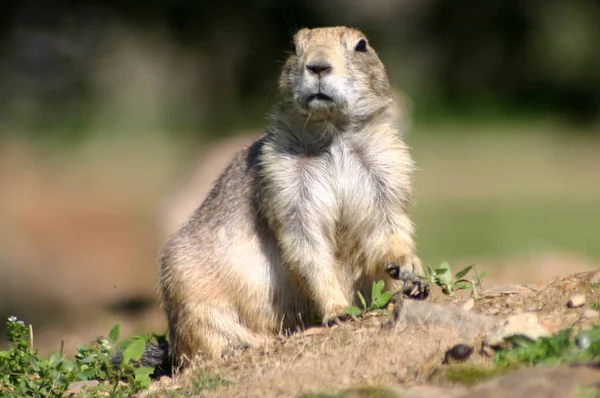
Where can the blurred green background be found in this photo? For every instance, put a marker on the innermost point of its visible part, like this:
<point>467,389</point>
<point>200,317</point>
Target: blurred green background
<point>113,113</point>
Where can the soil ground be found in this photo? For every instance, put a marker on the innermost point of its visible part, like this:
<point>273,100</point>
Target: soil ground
<point>360,358</point>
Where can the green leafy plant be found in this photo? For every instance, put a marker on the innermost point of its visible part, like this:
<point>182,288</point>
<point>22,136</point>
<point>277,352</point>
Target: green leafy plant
<point>379,300</point>
<point>23,372</point>
<point>450,283</point>
<point>562,347</point>
<point>138,377</point>
<point>518,351</point>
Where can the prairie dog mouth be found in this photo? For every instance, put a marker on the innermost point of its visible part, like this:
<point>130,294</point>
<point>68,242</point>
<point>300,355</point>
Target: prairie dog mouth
<point>320,97</point>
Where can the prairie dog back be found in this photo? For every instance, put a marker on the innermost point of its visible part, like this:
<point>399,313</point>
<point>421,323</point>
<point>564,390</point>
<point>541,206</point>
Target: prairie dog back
<point>310,213</point>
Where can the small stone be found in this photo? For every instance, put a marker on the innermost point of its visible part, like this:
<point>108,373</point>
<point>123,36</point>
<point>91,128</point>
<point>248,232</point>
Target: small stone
<point>458,353</point>
<point>590,313</point>
<point>586,338</point>
<point>493,311</point>
<point>576,301</point>
<point>584,342</point>
<point>595,279</point>
<point>469,304</point>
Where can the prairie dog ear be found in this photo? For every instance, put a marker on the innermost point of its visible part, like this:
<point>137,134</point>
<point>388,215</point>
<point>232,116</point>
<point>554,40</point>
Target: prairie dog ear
<point>361,46</point>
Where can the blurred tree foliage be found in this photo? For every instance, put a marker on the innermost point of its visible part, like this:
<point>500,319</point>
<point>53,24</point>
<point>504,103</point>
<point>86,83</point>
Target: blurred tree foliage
<point>183,64</point>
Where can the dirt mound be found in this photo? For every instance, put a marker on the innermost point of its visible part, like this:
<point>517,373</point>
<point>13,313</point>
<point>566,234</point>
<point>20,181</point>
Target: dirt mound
<point>362,358</point>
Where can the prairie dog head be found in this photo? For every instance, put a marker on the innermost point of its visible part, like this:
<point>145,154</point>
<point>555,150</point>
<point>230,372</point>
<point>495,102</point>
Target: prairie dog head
<point>333,74</point>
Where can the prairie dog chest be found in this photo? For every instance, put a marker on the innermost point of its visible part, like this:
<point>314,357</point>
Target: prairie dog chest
<point>352,181</point>
<point>351,178</point>
<point>367,176</point>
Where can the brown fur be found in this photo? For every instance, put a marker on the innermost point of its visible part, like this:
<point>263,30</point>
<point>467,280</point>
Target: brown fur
<point>305,216</point>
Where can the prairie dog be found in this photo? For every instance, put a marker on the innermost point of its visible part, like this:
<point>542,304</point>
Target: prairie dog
<point>310,213</point>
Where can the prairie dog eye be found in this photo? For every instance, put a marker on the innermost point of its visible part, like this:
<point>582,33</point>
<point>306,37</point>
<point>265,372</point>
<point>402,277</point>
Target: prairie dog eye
<point>361,46</point>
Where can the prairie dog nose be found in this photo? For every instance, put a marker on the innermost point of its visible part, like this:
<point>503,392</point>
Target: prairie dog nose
<point>318,64</point>
<point>321,68</point>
